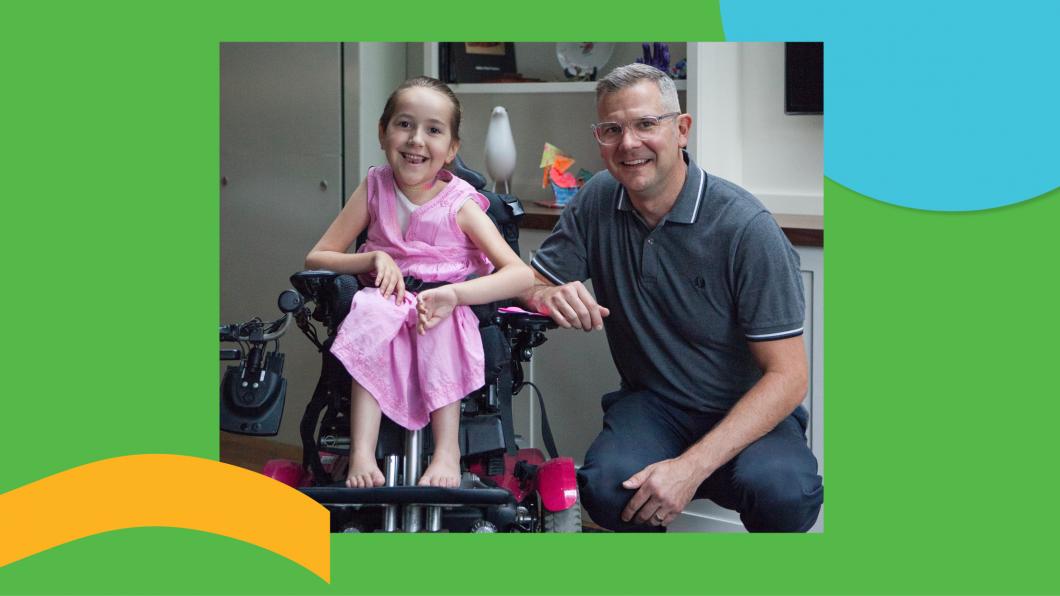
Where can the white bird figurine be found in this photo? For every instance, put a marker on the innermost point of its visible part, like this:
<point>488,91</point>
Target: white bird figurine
<point>500,149</point>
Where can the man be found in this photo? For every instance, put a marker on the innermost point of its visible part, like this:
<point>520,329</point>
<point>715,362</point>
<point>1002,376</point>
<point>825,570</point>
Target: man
<point>701,297</point>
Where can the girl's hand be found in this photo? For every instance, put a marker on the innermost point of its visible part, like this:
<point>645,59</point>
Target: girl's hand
<point>388,277</point>
<point>434,306</point>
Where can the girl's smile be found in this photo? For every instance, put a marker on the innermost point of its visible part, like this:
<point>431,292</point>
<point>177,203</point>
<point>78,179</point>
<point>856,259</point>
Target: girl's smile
<point>418,141</point>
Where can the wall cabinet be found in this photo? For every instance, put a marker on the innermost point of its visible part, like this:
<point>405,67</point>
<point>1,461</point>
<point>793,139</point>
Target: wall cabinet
<point>280,185</point>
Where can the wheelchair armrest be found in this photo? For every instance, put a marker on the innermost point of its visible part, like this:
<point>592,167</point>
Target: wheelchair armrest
<point>332,292</point>
<point>315,274</point>
<point>308,282</point>
<point>525,320</point>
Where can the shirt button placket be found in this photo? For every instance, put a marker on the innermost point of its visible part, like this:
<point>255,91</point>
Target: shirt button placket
<point>650,260</point>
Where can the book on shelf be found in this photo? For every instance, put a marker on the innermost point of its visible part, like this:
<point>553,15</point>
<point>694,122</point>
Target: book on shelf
<point>476,62</point>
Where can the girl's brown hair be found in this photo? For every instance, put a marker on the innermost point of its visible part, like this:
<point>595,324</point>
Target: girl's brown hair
<point>430,83</point>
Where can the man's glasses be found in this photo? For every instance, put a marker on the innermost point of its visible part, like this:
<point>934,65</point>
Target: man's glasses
<point>644,128</point>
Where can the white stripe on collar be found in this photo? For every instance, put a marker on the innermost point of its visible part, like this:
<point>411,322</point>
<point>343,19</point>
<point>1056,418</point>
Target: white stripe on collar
<point>699,194</point>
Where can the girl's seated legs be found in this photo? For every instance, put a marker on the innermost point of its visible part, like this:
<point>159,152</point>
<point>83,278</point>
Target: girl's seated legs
<point>445,463</point>
<point>365,416</point>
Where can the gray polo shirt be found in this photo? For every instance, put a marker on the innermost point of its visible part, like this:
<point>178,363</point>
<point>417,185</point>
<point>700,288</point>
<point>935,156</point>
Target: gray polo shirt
<point>688,296</point>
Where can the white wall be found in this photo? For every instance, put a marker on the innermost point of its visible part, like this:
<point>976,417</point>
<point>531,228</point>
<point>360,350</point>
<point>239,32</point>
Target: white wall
<point>379,67</point>
<point>742,132</point>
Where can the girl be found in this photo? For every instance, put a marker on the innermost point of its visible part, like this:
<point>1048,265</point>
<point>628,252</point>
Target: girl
<point>414,357</point>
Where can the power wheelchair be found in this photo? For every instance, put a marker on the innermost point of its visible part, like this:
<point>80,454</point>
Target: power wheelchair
<point>503,488</point>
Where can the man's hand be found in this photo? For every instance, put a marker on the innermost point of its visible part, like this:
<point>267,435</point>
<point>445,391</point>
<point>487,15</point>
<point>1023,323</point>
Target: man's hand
<point>570,305</point>
<point>433,306</point>
<point>663,490</point>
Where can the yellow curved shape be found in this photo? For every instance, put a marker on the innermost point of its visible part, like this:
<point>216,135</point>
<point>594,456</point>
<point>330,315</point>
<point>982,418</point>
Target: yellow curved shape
<point>170,491</point>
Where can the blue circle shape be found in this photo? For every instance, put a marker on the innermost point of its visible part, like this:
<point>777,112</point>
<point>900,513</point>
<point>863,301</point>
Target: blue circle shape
<point>938,106</point>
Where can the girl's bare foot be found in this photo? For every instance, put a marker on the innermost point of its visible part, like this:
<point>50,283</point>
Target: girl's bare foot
<point>364,473</point>
<point>444,470</point>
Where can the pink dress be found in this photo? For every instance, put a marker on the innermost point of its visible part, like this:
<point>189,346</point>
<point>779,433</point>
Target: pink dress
<point>412,375</point>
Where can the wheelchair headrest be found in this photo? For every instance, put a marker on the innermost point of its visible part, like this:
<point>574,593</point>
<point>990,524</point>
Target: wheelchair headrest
<point>460,169</point>
<point>503,210</point>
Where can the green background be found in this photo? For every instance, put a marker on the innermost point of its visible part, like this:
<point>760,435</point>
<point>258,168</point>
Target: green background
<point>940,331</point>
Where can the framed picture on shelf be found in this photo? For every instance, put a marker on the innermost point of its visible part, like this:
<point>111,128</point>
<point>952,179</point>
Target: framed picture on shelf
<point>476,62</point>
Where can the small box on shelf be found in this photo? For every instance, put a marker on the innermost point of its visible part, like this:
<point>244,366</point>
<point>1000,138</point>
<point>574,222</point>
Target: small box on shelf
<point>476,62</point>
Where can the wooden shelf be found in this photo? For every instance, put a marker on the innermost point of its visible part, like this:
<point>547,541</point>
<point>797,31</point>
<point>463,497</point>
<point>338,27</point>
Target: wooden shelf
<point>552,87</point>
<point>801,230</point>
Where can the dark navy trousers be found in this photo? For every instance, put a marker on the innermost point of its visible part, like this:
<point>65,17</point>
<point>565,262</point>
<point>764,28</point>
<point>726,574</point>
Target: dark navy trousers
<point>773,483</point>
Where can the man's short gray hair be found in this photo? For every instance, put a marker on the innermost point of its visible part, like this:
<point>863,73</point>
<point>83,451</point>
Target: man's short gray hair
<point>631,74</point>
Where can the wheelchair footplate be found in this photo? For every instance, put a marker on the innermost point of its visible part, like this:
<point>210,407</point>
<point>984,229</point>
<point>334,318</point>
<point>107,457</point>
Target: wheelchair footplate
<point>409,495</point>
<point>471,508</point>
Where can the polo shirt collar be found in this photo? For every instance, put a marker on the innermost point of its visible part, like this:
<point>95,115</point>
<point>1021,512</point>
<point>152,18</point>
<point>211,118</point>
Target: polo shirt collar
<point>689,200</point>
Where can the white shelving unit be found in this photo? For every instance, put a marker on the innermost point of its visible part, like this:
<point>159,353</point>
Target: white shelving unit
<point>548,87</point>
<point>734,92</point>
<point>553,111</point>
<point>624,54</point>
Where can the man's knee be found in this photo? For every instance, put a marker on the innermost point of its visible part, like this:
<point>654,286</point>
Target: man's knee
<point>635,434</point>
<point>779,498</point>
<point>602,495</point>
